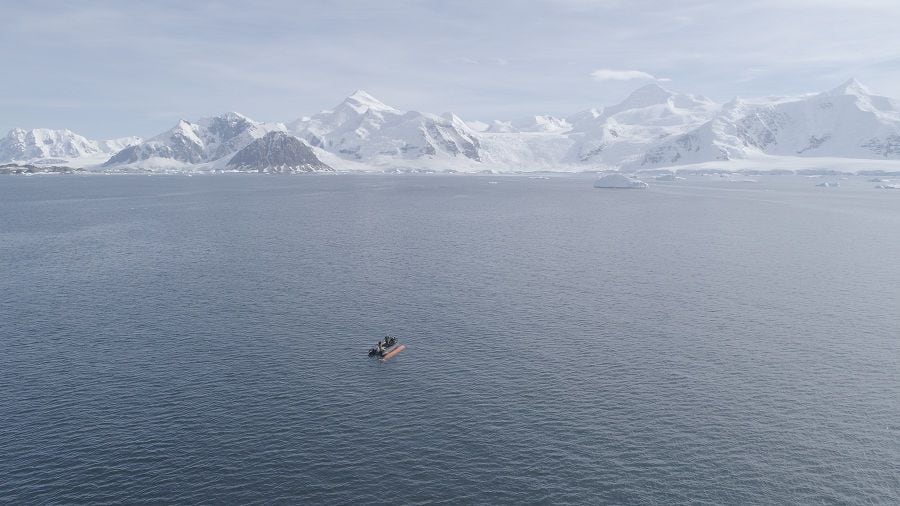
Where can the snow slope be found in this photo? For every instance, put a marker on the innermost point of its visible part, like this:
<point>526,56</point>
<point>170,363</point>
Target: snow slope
<point>529,124</point>
<point>187,143</point>
<point>846,122</point>
<point>363,129</point>
<point>623,133</point>
<point>58,147</point>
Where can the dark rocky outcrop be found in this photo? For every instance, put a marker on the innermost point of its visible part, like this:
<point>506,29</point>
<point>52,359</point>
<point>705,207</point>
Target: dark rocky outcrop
<point>277,152</point>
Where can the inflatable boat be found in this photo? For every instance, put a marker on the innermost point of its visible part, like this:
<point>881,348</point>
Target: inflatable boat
<point>386,348</point>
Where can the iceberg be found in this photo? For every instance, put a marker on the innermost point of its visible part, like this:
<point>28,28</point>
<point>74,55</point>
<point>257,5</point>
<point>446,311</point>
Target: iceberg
<point>619,181</point>
<point>669,177</point>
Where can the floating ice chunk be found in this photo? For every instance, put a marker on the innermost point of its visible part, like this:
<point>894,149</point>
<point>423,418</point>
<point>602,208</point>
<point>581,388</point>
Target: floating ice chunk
<point>619,181</point>
<point>829,184</point>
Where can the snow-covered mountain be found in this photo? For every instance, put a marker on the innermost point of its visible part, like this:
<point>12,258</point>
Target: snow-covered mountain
<point>529,124</point>
<point>847,122</point>
<point>42,145</point>
<point>277,152</point>
<point>363,129</point>
<point>622,133</point>
<point>651,128</point>
<point>187,143</point>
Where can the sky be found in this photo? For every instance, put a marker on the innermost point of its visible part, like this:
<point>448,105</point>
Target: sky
<point>114,68</point>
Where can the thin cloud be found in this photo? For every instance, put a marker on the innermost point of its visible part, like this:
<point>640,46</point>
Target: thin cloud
<point>619,75</point>
<point>220,55</point>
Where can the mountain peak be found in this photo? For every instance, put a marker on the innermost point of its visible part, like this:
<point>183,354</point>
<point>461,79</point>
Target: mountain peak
<point>361,100</point>
<point>183,127</point>
<point>649,94</point>
<point>234,116</point>
<point>850,87</point>
<point>229,118</point>
<point>645,96</point>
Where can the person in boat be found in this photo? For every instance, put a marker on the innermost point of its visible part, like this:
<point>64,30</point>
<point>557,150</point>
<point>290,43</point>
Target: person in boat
<point>380,348</point>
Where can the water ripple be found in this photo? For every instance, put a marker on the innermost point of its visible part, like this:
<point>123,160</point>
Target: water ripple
<point>201,340</point>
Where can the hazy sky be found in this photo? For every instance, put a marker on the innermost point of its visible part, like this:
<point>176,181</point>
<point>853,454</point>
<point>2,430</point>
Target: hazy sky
<point>115,68</point>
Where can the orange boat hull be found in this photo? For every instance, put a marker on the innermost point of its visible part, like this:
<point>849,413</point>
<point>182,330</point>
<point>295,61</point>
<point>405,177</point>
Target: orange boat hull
<point>393,352</point>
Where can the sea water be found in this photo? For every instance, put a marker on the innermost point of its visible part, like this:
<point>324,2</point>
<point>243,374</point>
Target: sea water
<point>203,339</point>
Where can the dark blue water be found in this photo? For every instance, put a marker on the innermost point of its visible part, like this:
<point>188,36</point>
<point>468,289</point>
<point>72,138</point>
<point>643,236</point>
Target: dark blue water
<point>202,339</point>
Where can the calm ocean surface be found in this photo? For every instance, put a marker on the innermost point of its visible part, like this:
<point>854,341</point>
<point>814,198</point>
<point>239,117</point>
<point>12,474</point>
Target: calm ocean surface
<point>203,339</point>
